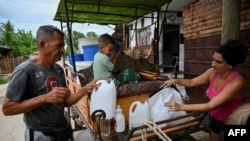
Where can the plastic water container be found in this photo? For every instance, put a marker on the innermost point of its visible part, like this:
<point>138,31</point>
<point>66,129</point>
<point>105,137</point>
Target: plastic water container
<point>104,98</point>
<point>89,51</point>
<point>86,41</point>
<point>119,120</point>
<point>78,57</point>
<point>138,114</point>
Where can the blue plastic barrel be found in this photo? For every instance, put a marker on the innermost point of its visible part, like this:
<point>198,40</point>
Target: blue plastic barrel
<point>89,51</point>
<point>78,57</point>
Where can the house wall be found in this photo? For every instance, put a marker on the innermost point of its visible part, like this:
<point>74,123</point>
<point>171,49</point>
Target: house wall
<point>172,18</point>
<point>202,34</point>
<point>145,33</point>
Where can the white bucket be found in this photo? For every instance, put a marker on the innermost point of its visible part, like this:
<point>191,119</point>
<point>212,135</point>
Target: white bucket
<point>86,41</point>
<point>138,114</point>
<point>104,98</point>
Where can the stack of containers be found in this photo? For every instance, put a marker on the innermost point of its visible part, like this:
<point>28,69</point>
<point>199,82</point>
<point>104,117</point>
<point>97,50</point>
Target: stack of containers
<point>89,47</point>
<point>78,57</point>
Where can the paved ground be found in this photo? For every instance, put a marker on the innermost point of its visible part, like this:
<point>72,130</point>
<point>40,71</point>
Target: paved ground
<point>12,127</point>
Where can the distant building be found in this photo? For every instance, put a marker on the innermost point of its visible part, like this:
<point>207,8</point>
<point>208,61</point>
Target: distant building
<point>4,50</point>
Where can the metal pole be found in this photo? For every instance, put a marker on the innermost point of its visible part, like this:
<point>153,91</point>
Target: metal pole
<point>73,56</point>
<point>70,38</point>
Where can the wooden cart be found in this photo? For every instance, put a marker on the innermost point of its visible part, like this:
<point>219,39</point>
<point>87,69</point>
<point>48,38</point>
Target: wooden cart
<point>83,111</point>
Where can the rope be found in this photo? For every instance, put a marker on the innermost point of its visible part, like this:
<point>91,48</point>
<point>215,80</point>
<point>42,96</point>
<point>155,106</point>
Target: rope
<point>158,131</point>
<point>143,135</point>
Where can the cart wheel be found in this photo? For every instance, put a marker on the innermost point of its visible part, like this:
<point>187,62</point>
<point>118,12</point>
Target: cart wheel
<point>98,113</point>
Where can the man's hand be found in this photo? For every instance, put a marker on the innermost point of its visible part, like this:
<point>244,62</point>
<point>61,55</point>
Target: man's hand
<point>58,94</point>
<point>91,85</point>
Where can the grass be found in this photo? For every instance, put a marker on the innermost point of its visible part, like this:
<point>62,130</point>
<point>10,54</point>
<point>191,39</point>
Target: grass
<point>4,79</point>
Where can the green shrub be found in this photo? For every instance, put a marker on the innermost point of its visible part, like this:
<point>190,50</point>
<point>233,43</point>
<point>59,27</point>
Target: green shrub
<point>4,79</point>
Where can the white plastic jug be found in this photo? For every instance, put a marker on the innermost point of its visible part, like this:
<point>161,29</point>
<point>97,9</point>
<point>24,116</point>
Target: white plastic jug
<point>138,114</point>
<point>104,98</point>
<point>119,120</point>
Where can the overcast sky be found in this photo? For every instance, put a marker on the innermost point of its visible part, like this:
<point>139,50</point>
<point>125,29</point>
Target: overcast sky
<point>30,14</point>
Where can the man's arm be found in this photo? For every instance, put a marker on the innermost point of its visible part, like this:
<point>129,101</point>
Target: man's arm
<point>11,107</point>
<point>88,88</point>
<point>58,94</point>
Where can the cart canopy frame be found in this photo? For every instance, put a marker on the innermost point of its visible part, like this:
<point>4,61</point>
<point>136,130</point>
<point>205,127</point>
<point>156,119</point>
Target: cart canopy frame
<point>105,12</point>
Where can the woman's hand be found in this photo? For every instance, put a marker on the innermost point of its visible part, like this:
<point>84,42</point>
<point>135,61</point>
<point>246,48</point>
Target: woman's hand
<point>168,83</point>
<point>173,106</point>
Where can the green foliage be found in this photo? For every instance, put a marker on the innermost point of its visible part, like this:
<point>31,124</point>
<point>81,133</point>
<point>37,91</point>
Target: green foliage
<point>91,34</point>
<point>1,33</point>
<point>21,43</point>
<point>26,44</point>
<point>75,36</point>
<point>4,79</point>
<point>7,34</point>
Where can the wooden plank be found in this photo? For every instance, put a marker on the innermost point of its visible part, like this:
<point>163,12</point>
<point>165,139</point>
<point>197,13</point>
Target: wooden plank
<point>151,135</point>
<point>204,18</point>
<point>230,20</point>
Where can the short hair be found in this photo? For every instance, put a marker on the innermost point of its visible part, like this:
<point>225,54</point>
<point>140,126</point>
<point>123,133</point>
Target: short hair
<point>47,32</point>
<point>233,52</point>
<point>106,39</point>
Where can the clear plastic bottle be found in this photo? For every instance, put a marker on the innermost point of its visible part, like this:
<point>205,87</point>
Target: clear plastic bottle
<point>119,120</point>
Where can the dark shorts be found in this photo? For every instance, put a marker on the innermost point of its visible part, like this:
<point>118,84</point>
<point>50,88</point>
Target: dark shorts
<point>215,125</point>
<point>35,135</point>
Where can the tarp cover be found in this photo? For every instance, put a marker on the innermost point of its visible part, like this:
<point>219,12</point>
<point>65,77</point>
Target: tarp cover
<point>106,11</point>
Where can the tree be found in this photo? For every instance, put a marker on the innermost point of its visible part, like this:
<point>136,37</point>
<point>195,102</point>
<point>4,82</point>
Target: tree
<point>1,33</point>
<point>8,34</point>
<point>26,44</point>
<point>91,34</point>
<point>21,43</point>
<point>75,36</point>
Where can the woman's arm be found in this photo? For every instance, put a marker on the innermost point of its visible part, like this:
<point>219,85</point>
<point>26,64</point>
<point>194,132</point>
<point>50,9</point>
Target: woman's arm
<point>199,80</point>
<point>231,91</point>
